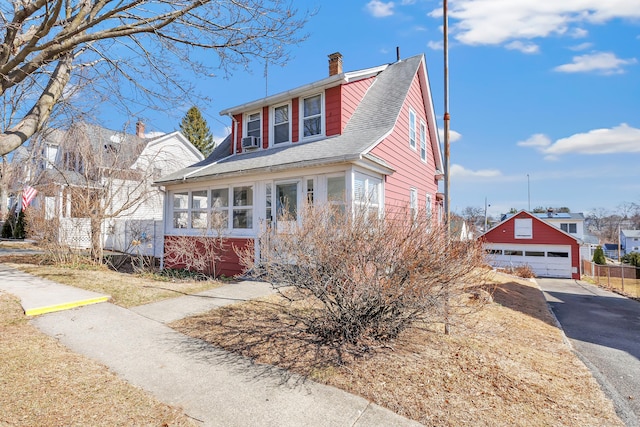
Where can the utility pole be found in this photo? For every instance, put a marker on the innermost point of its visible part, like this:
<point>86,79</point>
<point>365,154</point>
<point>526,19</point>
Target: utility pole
<point>446,117</point>
<point>446,152</point>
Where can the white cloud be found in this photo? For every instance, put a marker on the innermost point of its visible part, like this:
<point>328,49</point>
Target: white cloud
<point>524,47</point>
<point>619,139</point>
<point>600,62</point>
<point>453,135</point>
<point>380,9</point>
<point>538,140</point>
<point>458,171</point>
<point>581,46</point>
<point>494,22</point>
<point>435,45</point>
<point>578,33</point>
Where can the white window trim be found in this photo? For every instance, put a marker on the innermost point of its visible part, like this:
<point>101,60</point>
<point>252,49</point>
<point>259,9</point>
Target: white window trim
<point>272,124</point>
<point>301,118</point>
<point>245,123</point>
<point>423,141</point>
<point>412,129</point>
<point>189,230</point>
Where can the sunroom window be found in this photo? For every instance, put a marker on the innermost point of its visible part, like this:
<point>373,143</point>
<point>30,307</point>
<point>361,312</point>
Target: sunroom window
<point>243,207</point>
<point>199,209</point>
<point>180,209</point>
<point>336,189</point>
<point>312,116</point>
<point>219,208</point>
<point>367,193</point>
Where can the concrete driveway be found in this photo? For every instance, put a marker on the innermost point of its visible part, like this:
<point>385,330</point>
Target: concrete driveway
<point>604,330</point>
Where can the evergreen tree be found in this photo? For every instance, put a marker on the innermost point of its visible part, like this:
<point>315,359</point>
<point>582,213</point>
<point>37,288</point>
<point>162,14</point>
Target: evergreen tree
<point>598,256</point>
<point>195,128</point>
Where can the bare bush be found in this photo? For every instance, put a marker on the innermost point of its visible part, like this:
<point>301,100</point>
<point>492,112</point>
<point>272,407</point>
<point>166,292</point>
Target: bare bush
<point>524,271</point>
<point>354,277</point>
<point>202,253</point>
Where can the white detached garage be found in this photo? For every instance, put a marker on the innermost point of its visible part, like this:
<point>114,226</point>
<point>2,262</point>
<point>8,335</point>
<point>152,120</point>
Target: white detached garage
<point>525,239</point>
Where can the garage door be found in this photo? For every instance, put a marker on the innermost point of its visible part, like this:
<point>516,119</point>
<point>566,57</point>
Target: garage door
<point>544,260</point>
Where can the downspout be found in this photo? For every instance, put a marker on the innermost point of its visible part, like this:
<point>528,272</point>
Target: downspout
<point>234,131</point>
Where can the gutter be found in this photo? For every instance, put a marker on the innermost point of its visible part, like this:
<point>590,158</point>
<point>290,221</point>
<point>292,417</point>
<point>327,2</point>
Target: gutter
<point>286,166</point>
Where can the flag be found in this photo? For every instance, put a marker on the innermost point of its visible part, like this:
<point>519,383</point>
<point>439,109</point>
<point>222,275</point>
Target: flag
<point>28,195</point>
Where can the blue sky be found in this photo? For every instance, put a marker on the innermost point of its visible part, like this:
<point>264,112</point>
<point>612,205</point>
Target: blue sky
<point>544,94</point>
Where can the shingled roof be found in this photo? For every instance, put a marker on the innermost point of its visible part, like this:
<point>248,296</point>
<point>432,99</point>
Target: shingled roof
<point>372,121</point>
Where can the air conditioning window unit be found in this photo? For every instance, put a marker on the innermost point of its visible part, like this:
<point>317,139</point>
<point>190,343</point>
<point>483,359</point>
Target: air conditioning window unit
<point>251,142</point>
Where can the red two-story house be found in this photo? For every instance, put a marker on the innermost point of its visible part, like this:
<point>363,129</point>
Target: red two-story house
<point>369,132</point>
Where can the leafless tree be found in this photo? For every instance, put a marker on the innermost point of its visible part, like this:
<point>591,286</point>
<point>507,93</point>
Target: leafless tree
<point>133,50</point>
<point>96,178</point>
<point>354,277</point>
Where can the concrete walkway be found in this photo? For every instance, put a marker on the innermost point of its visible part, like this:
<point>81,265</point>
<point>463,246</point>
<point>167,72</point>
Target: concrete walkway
<point>212,386</point>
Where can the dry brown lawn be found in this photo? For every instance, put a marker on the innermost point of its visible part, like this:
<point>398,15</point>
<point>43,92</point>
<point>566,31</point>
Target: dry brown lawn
<point>504,365</point>
<point>44,384</point>
<point>126,290</point>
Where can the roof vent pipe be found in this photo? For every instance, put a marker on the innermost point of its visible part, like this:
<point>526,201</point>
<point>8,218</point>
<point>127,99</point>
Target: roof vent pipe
<point>397,53</point>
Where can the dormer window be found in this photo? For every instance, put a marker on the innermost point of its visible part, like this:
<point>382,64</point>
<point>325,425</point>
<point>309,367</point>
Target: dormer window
<point>312,116</point>
<point>281,124</point>
<point>253,125</point>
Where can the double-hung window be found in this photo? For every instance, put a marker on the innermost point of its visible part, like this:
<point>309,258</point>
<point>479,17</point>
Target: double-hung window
<point>423,141</point>
<point>281,124</point>
<point>312,116</point>
<point>412,129</point>
<point>253,125</point>
<point>569,228</point>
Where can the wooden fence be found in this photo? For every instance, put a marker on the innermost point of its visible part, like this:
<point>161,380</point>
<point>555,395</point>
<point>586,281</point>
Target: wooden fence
<point>624,279</point>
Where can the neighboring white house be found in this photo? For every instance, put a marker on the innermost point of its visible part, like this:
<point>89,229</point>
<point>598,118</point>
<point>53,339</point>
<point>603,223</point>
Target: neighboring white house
<point>121,168</point>
<point>629,241</point>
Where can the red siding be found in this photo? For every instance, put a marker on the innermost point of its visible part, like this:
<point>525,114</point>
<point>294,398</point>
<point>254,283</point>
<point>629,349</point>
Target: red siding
<point>295,117</point>
<point>229,265</point>
<point>265,127</point>
<point>543,234</point>
<point>333,101</point>
<point>352,94</point>
<point>410,170</point>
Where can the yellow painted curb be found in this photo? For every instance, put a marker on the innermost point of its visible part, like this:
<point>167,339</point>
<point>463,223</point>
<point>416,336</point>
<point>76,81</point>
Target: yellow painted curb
<point>65,306</point>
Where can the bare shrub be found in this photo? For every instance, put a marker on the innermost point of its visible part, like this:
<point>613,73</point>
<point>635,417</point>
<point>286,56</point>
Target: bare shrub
<point>524,271</point>
<point>202,253</point>
<point>353,277</point>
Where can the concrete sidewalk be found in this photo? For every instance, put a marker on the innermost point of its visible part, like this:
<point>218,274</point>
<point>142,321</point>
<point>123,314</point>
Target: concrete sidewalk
<point>40,296</point>
<point>212,386</point>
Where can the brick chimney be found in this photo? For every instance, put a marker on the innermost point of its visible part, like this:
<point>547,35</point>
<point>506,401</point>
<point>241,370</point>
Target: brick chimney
<point>140,129</point>
<point>335,64</point>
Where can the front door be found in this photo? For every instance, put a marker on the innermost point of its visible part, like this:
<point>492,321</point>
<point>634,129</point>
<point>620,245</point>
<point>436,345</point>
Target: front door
<point>286,205</point>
